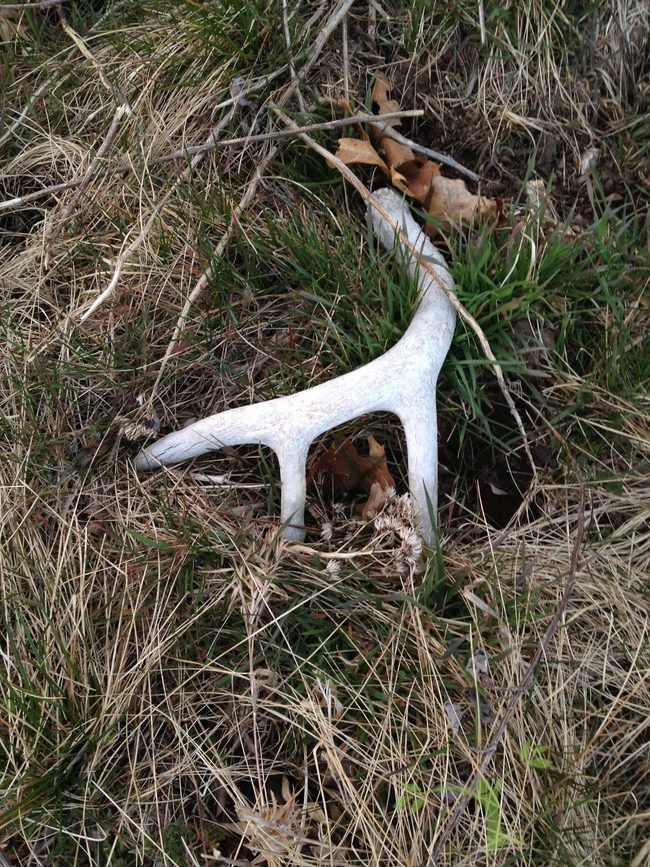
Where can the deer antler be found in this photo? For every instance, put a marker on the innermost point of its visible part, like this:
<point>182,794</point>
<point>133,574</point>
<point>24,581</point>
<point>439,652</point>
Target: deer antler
<point>402,381</point>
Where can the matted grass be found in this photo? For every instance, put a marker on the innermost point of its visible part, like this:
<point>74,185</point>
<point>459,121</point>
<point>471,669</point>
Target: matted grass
<point>180,685</point>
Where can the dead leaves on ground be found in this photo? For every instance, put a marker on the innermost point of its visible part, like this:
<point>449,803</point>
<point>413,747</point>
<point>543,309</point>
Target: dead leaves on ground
<point>348,472</point>
<point>448,200</point>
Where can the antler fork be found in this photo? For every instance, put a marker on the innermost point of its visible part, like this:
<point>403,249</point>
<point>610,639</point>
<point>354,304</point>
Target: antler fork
<point>402,381</point>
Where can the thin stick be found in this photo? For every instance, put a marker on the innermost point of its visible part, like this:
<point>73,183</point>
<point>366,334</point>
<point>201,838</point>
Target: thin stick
<point>390,132</point>
<point>155,214</point>
<point>481,21</point>
<point>525,683</point>
<point>365,193</point>
<point>87,53</point>
<point>362,117</point>
<point>372,22</point>
<point>40,90</point>
<point>326,32</point>
<point>203,280</point>
<point>120,112</point>
<point>346,60</point>
<point>292,65</point>
<point>38,4</point>
<point>192,150</point>
<point>245,201</point>
<point>133,246</point>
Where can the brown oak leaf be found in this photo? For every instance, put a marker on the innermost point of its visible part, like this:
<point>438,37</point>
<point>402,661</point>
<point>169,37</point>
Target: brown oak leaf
<point>353,150</point>
<point>348,472</point>
<point>444,198</point>
<point>385,104</point>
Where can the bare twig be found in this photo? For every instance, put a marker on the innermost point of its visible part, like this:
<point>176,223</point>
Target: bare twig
<point>481,20</point>
<point>313,53</point>
<point>87,53</point>
<point>526,682</point>
<point>246,199</point>
<point>203,280</point>
<point>372,22</point>
<point>155,214</point>
<point>42,88</point>
<point>390,132</point>
<point>292,65</point>
<point>120,112</point>
<point>365,193</point>
<point>339,14</point>
<point>192,150</point>
<point>319,43</point>
<point>291,133</point>
<point>37,4</point>
<point>346,59</point>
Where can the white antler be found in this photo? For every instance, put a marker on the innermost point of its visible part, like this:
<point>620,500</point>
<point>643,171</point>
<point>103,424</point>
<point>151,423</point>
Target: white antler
<point>403,381</point>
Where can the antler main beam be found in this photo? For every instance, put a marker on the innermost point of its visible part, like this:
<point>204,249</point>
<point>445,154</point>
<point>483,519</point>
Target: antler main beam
<point>402,381</point>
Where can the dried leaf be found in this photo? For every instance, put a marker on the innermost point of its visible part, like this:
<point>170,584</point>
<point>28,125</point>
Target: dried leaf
<point>398,181</point>
<point>380,473</point>
<point>345,105</point>
<point>376,501</point>
<point>448,200</point>
<point>347,108</point>
<point>385,104</point>
<point>418,174</point>
<point>352,150</point>
<point>395,153</point>
<point>452,201</point>
<point>351,473</point>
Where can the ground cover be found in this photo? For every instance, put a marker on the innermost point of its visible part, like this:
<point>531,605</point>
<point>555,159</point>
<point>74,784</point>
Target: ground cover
<point>179,684</point>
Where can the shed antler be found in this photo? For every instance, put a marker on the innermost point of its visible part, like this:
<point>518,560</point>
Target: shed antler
<point>402,381</point>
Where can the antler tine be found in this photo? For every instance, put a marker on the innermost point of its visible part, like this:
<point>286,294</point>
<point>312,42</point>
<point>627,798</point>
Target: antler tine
<point>402,381</point>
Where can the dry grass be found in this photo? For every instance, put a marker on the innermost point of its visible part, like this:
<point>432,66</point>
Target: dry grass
<point>179,684</point>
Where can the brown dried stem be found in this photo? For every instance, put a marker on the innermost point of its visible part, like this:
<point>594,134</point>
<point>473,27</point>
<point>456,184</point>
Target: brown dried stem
<point>203,280</point>
<point>42,88</point>
<point>120,112</point>
<point>319,44</point>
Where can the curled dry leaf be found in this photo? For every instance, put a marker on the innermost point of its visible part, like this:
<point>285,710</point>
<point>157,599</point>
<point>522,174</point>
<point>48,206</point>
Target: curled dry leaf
<point>448,200</point>
<point>453,202</point>
<point>418,175</point>
<point>380,97</point>
<point>353,150</point>
<point>376,501</point>
<point>349,472</point>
